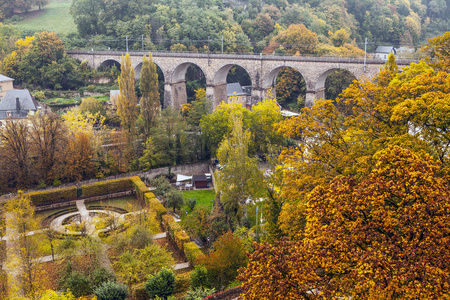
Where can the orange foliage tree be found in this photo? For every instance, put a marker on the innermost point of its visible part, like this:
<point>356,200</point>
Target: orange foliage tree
<point>383,238</point>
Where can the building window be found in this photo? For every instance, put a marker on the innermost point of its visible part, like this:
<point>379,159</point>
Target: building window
<point>1,88</point>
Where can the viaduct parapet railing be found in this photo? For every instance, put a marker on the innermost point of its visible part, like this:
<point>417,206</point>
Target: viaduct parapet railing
<point>262,70</point>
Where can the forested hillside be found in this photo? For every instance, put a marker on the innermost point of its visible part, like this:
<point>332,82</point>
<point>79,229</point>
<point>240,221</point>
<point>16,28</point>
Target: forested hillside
<point>252,25</point>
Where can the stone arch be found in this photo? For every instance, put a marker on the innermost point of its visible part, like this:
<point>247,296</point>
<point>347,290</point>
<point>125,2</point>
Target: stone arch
<point>109,63</point>
<point>175,93</point>
<point>269,80</point>
<point>220,76</point>
<point>138,68</point>
<point>320,82</point>
<point>219,85</point>
<point>179,72</point>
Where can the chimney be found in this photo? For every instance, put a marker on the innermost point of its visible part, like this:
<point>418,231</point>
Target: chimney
<point>18,105</point>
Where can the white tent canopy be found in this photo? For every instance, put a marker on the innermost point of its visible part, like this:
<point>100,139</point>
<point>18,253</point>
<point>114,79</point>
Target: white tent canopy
<point>181,178</point>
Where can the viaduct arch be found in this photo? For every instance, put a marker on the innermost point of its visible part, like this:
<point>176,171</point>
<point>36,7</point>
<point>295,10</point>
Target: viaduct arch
<point>262,70</point>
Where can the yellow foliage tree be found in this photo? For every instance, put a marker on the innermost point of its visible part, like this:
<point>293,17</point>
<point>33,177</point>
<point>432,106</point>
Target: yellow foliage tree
<point>127,102</point>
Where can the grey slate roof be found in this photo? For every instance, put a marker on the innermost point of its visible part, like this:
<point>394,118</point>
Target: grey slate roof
<point>235,89</point>
<point>385,49</point>
<point>18,109</point>
<point>4,78</point>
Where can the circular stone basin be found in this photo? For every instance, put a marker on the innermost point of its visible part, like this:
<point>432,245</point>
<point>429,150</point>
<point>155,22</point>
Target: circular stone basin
<point>72,219</point>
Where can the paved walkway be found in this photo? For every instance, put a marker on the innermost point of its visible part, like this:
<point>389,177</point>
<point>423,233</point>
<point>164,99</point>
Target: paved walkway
<point>181,266</point>
<point>161,235</point>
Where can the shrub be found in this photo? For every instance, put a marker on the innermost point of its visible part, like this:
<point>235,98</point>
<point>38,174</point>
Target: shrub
<point>138,292</point>
<point>78,284</point>
<point>162,284</point>
<point>192,252</point>
<point>182,282</point>
<point>106,187</point>
<point>100,276</point>
<point>199,277</point>
<point>199,293</point>
<point>52,196</point>
<point>111,291</point>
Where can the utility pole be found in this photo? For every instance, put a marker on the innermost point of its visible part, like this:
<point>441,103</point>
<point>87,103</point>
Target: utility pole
<point>257,233</point>
<point>142,42</point>
<point>126,38</point>
<point>365,54</point>
<point>222,43</point>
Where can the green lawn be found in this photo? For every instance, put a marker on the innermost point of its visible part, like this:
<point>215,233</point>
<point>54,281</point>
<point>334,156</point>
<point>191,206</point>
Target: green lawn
<point>53,17</point>
<point>128,203</point>
<point>203,197</point>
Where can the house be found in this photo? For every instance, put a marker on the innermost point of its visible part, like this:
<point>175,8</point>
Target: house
<point>6,84</point>
<point>239,94</point>
<point>200,181</point>
<point>113,96</point>
<point>382,52</point>
<point>17,104</point>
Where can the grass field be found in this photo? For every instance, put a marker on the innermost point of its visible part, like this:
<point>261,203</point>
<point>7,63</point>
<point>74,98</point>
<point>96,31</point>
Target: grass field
<point>203,197</point>
<point>53,17</point>
<point>127,203</point>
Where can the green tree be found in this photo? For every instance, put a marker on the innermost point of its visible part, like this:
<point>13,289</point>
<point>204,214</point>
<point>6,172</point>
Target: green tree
<point>111,291</point>
<point>174,199</point>
<point>150,105</point>
<point>168,143</point>
<point>126,102</point>
<point>161,284</point>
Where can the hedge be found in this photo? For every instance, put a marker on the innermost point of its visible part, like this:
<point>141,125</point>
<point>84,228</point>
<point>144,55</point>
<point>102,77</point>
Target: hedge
<point>52,196</point>
<point>139,186</point>
<point>181,238</point>
<point>173,227</point>
<point>154,204</point>
<point>192,252</point>
<point>106,187</point>
<point>167,221</point>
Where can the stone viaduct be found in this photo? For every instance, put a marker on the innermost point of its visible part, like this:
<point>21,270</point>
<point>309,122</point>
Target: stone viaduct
<point>262,69</point>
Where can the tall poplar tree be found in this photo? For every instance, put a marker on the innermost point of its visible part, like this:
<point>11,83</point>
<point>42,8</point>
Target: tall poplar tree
<point>150,104</point>
<point>127,102</point>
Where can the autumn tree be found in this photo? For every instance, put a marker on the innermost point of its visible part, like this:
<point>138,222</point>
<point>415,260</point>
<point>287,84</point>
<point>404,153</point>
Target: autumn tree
<point>48,136</point>
<point>438,50</point>
<point>223,263</point>
<point>24,249</point>
<point>290,85</point>
<point>298,39</point>
<point>382,238</point>
<point>239,177</point>
<point>126,102</point>
<point>218,125</point>
<point>150,105</point>
<point>15,147</point>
